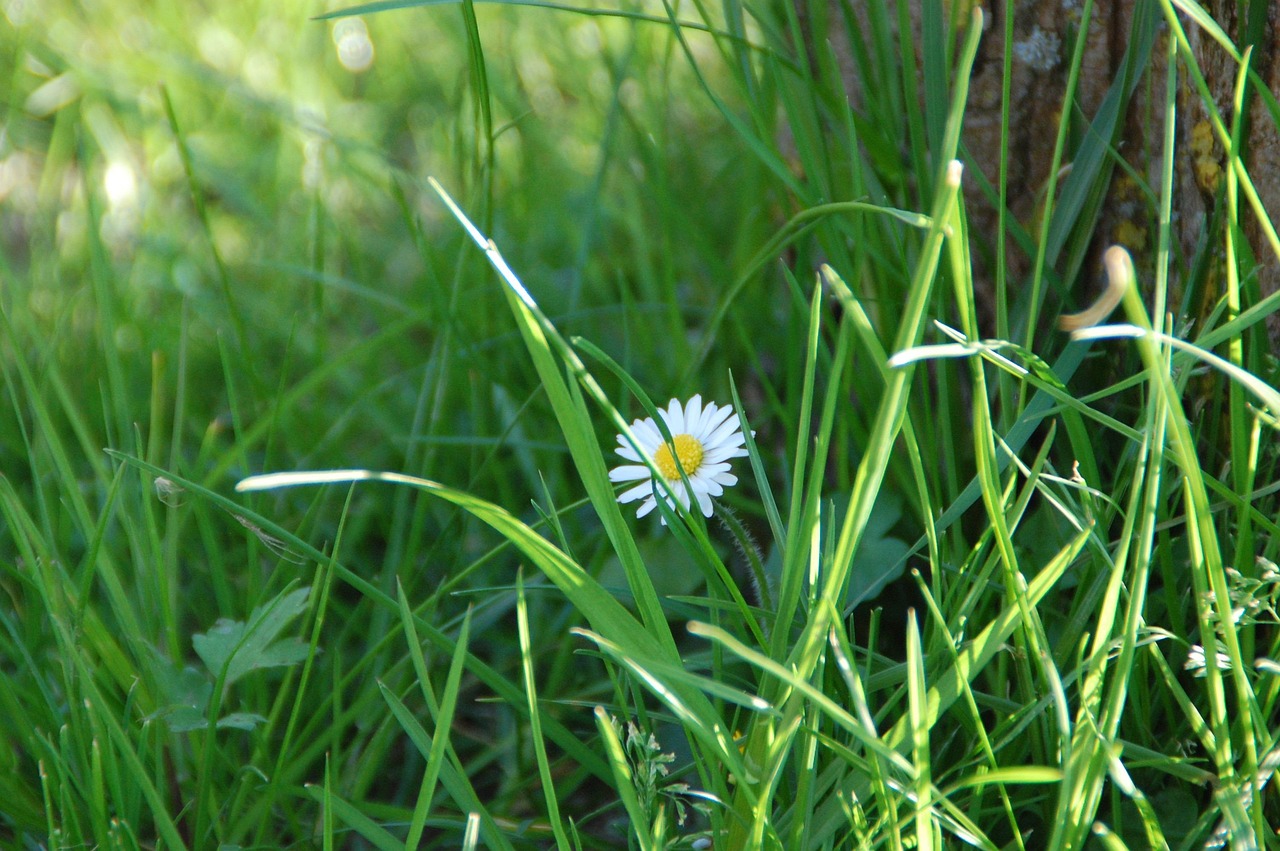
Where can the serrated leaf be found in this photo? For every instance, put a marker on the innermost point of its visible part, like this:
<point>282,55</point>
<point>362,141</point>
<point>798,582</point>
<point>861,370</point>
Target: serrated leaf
<point>238,647</point>
<point>183,719</point>
<point>241,721</point>
<point>184,696</point>
<point>288,651</point>
<point>183,686</point>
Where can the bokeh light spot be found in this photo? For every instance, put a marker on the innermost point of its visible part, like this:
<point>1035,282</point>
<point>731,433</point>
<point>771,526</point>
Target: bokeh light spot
<point>355,48</point>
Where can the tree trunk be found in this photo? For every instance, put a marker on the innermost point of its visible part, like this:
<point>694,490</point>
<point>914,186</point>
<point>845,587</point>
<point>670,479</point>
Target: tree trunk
<point>1044,35</point>
<point>1261,139</point>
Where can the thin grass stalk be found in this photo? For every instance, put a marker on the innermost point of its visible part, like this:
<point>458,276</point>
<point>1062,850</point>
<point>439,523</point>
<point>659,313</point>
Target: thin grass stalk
<point>1231,234</point>
<point>1088,757</point>
<point>1005,385</point>
<point>326,809</point>
<point>1240,417</point>
<point>804,421</point>
<point>1242,470</point>
<point>482,112</point>
<point>1055,163</point>
<point>805,492</point>
<point>971,704</point>
<point>541,339</point>
<point>206,226</point>
<point>441,710</point>
<point>889,418</point>
<point>535,721</point>
<point>918,717</point>
<point>1208,578</point>
<point>985,454</point>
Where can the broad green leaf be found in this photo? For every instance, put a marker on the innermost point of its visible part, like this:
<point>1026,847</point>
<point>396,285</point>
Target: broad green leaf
<point>238,647</point>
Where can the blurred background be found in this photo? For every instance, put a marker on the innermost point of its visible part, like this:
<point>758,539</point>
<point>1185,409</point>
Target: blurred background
<point>219,253</point>
<point>230,202</point>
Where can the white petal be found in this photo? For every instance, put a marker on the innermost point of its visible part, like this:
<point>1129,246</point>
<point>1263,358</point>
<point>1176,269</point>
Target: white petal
<point>718,456</point>
<point>730,436</point>
<point>708,471</point>
<point>649,505</point>
<point>725,435</point>
<point>647,433</point>
<point>682,494</point>
<point>726,479</point>
<point>645,489</point>
<point>628,453</point>
<point>708,411</point>
<point>704,502</point>
<point>629,472</point>
<point>692,414</point>
<point>724,453</point>
<point>674,415</point>
<point>714,421</point>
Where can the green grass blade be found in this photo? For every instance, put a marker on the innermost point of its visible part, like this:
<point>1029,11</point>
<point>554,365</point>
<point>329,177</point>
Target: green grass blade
<point>338,810</point>
<point>540,337</point>
<point>535,724</point>
<point>452,776</point>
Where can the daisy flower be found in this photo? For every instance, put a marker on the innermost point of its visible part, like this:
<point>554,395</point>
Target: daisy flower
<point>703,439</point>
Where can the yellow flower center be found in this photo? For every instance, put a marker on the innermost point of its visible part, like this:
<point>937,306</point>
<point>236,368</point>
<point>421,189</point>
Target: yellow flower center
<point>686,448</point>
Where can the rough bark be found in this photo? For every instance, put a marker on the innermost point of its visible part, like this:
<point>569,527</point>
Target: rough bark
<point>1043,38</point>
<point>1261,139</point>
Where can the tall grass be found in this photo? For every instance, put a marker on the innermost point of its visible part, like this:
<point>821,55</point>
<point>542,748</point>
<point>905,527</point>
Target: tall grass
<point>351,572</point>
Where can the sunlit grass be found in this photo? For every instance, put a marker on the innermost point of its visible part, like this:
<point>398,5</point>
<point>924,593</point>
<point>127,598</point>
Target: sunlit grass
<point>355,307</point>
